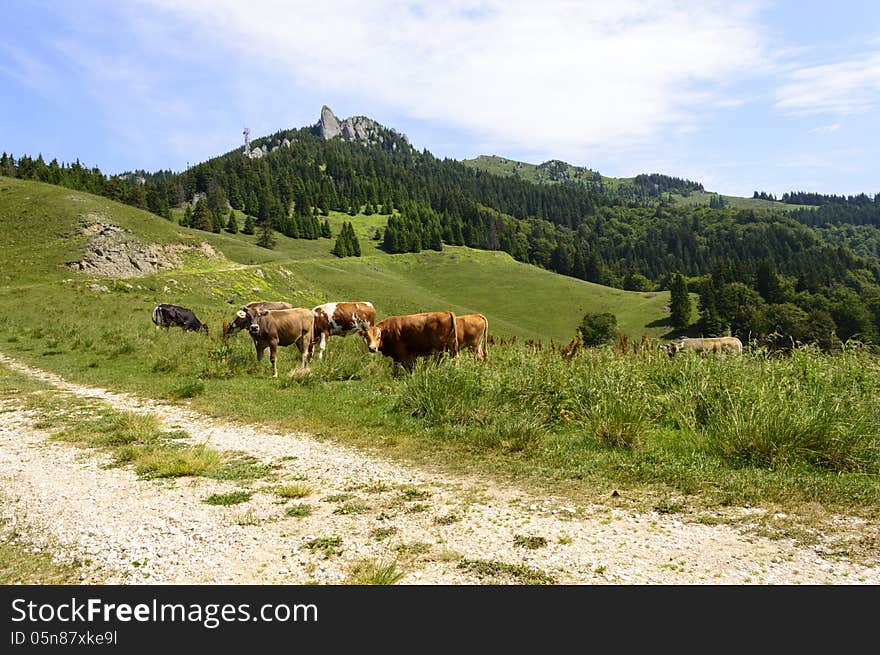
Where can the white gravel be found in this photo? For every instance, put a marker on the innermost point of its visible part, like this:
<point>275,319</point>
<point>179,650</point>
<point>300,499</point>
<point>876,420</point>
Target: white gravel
<point>125,530</point>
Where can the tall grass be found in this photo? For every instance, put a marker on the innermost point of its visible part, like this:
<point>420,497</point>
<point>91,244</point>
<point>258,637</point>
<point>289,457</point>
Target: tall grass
<point>769,412</point>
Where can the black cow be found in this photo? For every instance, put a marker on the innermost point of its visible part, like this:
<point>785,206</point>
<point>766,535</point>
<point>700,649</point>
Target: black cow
<point>172,315</point>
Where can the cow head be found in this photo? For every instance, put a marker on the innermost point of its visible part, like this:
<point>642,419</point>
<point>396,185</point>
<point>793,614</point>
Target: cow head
<point>240,322</point>
<point>254,321</point>
<point>674,347</point>
<point>372,337</point>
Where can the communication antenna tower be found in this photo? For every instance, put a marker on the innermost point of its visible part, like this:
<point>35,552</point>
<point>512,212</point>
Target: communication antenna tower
<point>247,142</point>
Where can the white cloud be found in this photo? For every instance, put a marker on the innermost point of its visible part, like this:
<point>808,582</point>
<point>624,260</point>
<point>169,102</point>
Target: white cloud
<point>825,129</point>
<point>846,87</point>
<point>564,74</point>
<point>28,70</point>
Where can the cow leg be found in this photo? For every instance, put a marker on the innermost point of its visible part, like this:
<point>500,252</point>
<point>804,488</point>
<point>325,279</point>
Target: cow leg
<point>273,356</point>
<point>322,345</point>
<point>260,350</point>
<point>304,353</point>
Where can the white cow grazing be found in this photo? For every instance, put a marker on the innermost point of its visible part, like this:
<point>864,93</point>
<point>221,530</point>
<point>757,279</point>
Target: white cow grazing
<point>728,345</point>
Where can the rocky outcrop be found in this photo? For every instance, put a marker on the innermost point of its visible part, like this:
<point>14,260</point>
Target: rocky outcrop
<point>329,124</point>
<point>112,252</point>
<point>356,128</point>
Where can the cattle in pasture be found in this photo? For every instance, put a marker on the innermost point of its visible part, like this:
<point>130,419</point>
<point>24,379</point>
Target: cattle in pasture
<point>282,327</point>
<point>405,338</point>
<point>728,345</point>
<point>165,315</point>
<point>340,319</point>
<point>245,315</point>
<point>472,330</point>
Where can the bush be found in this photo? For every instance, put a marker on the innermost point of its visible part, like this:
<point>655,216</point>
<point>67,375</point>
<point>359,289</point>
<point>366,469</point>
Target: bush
<point>598,328</point>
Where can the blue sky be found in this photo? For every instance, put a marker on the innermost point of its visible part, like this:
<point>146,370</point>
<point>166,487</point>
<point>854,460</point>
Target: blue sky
<point>766,95</point>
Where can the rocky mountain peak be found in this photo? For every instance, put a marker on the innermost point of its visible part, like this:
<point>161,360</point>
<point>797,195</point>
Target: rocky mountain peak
<point>329,124</point>
<point>355,128</point>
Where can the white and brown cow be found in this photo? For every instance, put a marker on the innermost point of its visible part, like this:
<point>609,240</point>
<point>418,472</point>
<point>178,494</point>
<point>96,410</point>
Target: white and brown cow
<point>472,331</point>
<point>282,327</point>
<point>404,338</point>
<point>728,345</point>
<point>340,319</point>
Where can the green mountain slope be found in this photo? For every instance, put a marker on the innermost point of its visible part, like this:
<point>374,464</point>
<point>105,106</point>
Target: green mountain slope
<point>555,171</point>
<point>42,227</point>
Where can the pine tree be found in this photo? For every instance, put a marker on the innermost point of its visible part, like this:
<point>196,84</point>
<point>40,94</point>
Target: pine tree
<point>680,303</point>
<point>248,225</point>
<point>201,216</point>
<point>232,223</point>
<point>216,221</point>
<point>347,244</point>
<point>266,237</point>
<point>325,230</point>
<point>354,244</point>
<point>340,248</point>
<point>186,219</point>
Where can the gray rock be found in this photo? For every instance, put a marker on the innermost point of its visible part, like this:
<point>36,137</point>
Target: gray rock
<point>330,126</point>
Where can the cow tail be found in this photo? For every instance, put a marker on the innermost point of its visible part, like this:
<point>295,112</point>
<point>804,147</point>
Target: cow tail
<point>484,340</point>
<point>454,335</point>
<point>156,314</point>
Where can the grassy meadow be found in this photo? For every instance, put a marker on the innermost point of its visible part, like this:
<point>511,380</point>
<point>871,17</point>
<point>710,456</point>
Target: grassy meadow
<point>800,431</point>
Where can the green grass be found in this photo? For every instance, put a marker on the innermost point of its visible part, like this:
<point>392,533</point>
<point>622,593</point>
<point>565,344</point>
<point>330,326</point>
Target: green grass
<point>299,510</point>
<point>351,508</point>
<point>22,563</point>
<point>373,572</point>
<point>531,542</point>
<point>501,571</point>
<point>292,490</point>
<point>327,547</point>
<point>231,498</point>
<point>701,199</point>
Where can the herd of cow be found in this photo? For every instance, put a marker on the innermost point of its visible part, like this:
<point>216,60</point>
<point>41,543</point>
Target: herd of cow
<point>402,338</point>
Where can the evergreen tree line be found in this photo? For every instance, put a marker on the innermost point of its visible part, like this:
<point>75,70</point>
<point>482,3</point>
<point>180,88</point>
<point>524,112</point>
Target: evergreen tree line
<point>866,214</point>
<point>655,184</point>
<point>809,198</point>
<point>757,303</point>
<point>416,228</point>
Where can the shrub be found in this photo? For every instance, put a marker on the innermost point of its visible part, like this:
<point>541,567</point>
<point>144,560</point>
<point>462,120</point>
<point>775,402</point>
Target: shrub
<point>598,328</point>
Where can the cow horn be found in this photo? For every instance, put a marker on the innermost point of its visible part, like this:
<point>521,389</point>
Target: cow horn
<point>240,313</point>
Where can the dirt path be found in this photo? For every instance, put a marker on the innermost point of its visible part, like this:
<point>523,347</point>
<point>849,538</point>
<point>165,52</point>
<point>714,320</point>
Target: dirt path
<point>133,531</point>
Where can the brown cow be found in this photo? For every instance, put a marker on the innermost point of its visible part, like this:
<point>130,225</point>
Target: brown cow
<point>283,327</point>
<point>471,331</point>
<point>731,345</point>
<point>404,338</point>
<point>245,315</point>
<point>340,319</point>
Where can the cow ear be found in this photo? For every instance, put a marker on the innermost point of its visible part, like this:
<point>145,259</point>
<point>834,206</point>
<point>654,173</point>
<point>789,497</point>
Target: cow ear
<point>240,313</point>
<point>362,333</point>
